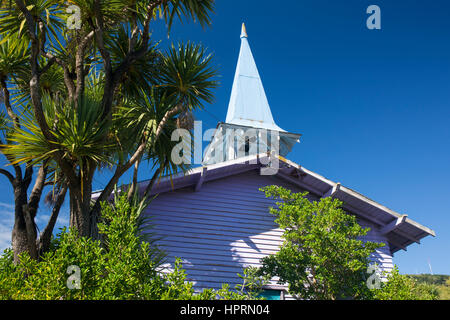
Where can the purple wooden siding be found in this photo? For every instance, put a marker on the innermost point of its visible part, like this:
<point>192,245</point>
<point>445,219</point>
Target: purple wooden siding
<point>382,256</point>
<point>223,227</point>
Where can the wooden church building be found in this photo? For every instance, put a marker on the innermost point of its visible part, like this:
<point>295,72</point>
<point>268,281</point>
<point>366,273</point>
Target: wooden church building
<point>217,221</point>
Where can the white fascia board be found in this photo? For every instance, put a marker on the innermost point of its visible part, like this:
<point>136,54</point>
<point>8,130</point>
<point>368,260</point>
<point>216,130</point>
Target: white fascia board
<point>387,210</point>
<point>337,187</point>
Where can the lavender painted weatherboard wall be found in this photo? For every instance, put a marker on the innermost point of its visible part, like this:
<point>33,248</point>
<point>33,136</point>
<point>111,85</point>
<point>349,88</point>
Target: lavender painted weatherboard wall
<point>224,227</point>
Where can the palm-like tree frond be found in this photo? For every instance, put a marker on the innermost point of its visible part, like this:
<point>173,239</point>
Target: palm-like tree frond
<point>51,84</point>
<point>79,134</point>
<point>49,12</point>
<point>14,55</point>
<point>187,74</point>
<point>143,73</point>
<point>197,10</point>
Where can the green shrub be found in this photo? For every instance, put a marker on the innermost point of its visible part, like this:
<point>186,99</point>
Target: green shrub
<point>403,287</point>
<point>322,256</point>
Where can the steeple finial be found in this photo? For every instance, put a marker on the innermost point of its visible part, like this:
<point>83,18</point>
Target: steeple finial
<point>243,31</point>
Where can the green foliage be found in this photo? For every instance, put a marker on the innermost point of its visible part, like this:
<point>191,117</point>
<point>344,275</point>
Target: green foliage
<point>113,47</point>
<point>79,134</point>
<point>51,83</point>
<point>252,282</point>
<point>444,291</point>
<point>197,10</point>
<point>49,12</point>
<point>187,74</point>
<point>439,281</point>
<point>143,73</point>
<point>179,289</point>
<point>404,287</point>
<point>13,56</point>
<point>322,256</point>
<point>123,266</point>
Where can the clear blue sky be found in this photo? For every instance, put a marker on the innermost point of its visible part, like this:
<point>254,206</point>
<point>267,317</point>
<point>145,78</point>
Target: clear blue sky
<point>372,105</point>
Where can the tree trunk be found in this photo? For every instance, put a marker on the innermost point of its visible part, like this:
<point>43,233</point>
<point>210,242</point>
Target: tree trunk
<point>134,184</point>
<point>24,229</point>
<point>80,203</point>
<point>43,243</point>
<point>19,239</point>
<point>79,213</point>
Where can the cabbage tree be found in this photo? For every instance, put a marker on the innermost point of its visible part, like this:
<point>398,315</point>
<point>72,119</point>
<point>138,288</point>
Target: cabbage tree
<point>121,94</point>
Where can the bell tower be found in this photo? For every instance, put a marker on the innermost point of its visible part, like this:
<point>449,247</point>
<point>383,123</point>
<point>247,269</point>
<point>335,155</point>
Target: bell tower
<point>249,127</point>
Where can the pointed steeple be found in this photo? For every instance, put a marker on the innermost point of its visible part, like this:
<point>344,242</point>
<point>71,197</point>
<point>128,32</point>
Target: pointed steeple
<point>249,127</point>
<point>248,104</point>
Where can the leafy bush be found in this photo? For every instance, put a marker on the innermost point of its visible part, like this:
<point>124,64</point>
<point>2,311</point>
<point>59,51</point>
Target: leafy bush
<point>440,281</point>
<point>403,287</point>
<point>122,266</point>
<point>322,256</point>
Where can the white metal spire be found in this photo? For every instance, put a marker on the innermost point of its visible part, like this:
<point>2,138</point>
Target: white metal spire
<point>248,104</point>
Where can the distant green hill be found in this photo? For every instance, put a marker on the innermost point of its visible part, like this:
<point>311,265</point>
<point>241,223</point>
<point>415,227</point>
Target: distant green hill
<point>441,281</point>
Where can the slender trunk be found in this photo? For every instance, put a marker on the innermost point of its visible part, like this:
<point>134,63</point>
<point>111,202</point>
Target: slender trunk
<point>152,181</point>
<point>133,187</point>
<point>121,169</point>
<point>46,235</point>
<point>36,193</point>
<point>24,229</point>
<point>7,103</point>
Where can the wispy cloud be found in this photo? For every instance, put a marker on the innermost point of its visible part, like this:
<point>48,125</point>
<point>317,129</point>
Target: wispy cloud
<point>7,205</point>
